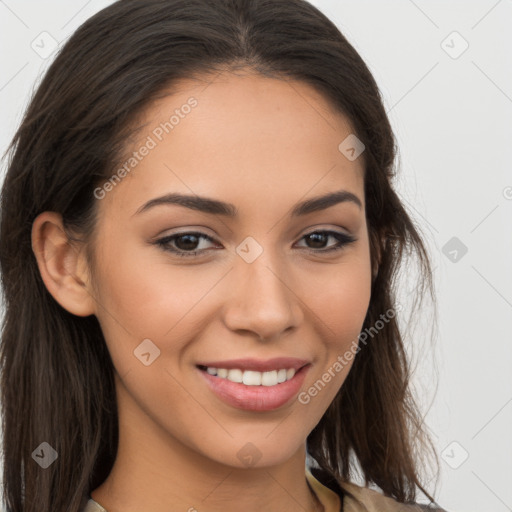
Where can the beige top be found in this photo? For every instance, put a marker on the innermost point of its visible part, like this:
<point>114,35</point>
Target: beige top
<point>363,500</point>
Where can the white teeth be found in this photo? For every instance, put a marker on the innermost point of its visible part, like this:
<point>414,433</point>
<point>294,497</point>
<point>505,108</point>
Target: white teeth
<point>253,378</point>
<point>235,375</point>
<point>269,378</point>
<point>222,372</point>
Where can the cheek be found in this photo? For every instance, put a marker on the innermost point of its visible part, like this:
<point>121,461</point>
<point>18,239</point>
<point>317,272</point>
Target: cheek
<point>342,298</point>
<point>341,308</point>
<point>143,296</point>
<point>146,295</point>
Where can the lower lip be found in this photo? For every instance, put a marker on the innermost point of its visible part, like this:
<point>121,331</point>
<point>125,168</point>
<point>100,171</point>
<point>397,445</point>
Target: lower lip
<point>255,398</point>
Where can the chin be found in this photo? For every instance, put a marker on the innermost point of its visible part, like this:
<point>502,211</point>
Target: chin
<point>259,451</point>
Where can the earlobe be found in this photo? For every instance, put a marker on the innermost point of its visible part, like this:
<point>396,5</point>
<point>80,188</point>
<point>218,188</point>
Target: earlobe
<point>61,265</point>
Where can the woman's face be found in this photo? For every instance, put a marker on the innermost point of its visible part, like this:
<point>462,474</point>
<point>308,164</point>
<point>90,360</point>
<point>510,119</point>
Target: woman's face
<point>260,296</point>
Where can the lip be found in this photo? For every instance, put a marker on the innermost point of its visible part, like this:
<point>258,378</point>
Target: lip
<point>258,365</point>
<point>256,398</point>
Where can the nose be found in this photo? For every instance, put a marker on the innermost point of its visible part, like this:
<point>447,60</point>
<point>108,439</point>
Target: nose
<point>263,300</point>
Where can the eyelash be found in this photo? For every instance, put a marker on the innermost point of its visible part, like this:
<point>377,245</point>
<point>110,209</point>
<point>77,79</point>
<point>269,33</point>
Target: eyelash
<point>164,243</point>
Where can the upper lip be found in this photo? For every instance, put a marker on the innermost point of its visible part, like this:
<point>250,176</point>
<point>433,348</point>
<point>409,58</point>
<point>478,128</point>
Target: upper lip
<point>258,365</point>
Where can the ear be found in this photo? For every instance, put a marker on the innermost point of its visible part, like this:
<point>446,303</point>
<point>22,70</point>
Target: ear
<point>62,265</point>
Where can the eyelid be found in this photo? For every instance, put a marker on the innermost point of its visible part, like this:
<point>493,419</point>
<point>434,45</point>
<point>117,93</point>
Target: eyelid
<point>197,229</point>
<point>330,229</point>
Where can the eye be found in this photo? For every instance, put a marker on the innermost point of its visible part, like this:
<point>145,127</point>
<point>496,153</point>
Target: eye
<point>188,244</point>
<point>185,244</point>
<point>320,237</point>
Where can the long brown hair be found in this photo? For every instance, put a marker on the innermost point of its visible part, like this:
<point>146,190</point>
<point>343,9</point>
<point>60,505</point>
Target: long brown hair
<point>57,381</point>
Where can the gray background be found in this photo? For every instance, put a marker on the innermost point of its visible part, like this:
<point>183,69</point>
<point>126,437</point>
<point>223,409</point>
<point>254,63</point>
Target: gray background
<point>451,109</point>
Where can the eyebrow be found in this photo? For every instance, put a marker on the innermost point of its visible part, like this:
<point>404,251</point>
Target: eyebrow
<point>213,206</point>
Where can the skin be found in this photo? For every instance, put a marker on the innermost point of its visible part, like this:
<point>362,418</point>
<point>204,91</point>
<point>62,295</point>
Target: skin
<point>264,145</point>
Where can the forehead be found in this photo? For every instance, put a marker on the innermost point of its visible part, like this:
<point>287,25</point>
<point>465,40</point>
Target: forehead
<point>235,134</point>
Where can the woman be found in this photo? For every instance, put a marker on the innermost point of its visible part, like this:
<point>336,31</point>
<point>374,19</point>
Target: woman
<point>199,238</point>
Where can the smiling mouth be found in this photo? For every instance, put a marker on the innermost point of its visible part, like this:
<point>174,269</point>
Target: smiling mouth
<point>252,389</point>
<point>251,377</point>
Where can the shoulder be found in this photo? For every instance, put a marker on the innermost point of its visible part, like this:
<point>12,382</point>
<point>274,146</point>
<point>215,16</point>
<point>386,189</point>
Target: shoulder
<point>362,499</point>
<point>92,506</point>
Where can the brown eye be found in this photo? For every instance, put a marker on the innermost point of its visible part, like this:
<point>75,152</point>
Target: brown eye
<point>318,239</point>
<point>184,244</point>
